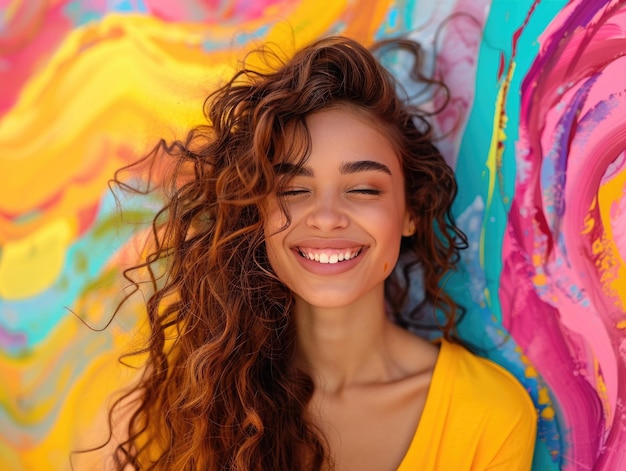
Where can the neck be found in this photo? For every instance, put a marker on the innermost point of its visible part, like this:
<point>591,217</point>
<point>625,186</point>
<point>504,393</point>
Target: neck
<point>347,346</point>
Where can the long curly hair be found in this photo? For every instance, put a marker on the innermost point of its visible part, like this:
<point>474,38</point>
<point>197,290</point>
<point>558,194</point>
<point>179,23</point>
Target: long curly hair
<point>220,389</point>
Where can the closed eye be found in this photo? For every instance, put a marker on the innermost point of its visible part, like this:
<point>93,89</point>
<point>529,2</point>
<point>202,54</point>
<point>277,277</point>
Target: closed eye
<point>366,191</point>
<point>293,192</point>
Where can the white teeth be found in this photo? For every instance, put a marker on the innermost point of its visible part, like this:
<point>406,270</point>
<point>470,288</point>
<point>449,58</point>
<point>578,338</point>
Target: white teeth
<point>333,258</point>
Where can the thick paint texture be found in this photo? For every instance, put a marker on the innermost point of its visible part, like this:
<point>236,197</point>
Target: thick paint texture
<point>563,259</point>
<point>535,130</point>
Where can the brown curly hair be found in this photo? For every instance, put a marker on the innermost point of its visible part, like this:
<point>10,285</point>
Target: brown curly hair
<point>220,389</point>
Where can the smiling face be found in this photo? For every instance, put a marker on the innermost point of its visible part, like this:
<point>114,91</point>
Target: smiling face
<point>348,214</point>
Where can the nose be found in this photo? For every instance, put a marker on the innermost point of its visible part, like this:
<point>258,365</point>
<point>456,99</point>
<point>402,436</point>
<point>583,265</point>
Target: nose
<point>327,214</point>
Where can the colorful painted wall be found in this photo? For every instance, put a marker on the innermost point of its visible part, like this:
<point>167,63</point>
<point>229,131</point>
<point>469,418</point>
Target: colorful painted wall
<point>536,131</point>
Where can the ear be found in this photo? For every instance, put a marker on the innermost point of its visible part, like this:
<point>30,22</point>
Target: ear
<point>409,225</point>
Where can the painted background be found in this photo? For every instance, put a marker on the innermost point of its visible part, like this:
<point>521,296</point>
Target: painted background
<point>536,132</point>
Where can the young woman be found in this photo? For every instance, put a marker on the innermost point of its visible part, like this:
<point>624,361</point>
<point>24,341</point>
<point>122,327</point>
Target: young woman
<point>278,340</point>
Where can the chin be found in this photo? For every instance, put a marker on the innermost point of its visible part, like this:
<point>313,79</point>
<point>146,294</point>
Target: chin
<point>339,299</point>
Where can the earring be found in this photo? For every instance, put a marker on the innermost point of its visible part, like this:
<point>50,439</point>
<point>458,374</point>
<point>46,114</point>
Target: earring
<point>411,229</point>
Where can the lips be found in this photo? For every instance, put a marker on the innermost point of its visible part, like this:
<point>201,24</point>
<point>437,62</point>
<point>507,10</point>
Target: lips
<point>329,255</point>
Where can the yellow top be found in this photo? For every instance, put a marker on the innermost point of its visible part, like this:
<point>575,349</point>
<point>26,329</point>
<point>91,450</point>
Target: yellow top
<point>477,417</point>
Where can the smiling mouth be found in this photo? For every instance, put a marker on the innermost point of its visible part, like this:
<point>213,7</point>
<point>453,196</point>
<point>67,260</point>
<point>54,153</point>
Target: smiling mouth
<point>329,256</point>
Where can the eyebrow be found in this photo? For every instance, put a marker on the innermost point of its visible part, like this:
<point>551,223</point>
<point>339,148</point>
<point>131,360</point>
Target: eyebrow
<point>345,168</point>
<point>363,166</point>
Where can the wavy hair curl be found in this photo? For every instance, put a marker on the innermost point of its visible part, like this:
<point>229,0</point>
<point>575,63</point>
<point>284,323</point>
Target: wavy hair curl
<point>220,389</point>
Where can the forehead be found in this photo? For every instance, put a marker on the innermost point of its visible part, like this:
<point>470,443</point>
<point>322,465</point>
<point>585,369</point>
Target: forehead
<point>344,134</point>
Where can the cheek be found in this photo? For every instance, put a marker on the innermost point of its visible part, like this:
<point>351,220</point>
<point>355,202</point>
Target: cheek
<point>274,219</point>
<point>391,225</point>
